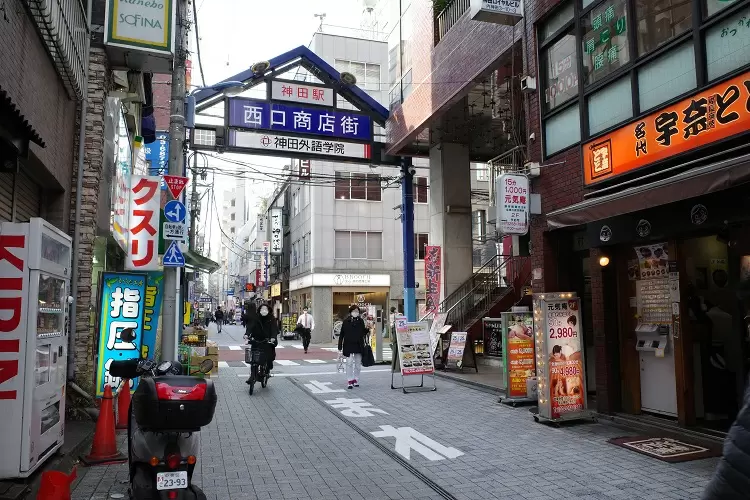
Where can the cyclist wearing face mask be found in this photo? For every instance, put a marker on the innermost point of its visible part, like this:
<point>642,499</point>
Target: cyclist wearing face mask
<point>262,328</point>
<point>351,345</point>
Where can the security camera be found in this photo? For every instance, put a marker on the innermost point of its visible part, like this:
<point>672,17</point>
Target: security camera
<point>412,170</point>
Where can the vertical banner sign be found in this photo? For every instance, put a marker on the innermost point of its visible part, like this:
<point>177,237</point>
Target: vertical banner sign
<point>144,209</point>
<point>151,312</point>
<point>277,231</point>
<point>432,266</point>
<point>518,346</point>
<point>457,348</point>
<point>123,305</point>
<point>157,155</point>
<point>563,359</point>
<point>265,263</point>
<point>414,349</point>
<point>513,204</point>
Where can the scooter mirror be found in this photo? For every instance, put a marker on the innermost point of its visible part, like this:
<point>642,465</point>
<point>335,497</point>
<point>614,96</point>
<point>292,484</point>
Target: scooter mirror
<point>127,335</point>
<point>207,365</point>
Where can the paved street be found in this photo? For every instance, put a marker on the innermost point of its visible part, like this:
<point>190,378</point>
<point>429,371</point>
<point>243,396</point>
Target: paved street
<point>307,437</point>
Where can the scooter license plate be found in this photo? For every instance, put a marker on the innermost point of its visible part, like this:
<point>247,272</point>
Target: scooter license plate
<point>172,480</point>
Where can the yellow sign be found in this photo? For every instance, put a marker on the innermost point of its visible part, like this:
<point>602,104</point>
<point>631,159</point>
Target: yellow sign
<point>276,290</point>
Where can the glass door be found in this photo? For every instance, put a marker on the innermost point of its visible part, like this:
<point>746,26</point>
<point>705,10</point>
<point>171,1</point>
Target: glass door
<point>50,312</point>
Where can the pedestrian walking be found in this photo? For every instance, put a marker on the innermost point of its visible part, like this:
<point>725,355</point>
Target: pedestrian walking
<point>352,345</point>
<point>307,322</point>
<point>219,315</point>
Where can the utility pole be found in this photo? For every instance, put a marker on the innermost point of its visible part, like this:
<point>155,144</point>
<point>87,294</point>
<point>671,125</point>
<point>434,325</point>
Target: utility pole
<point>193,202</point>
<point>176,167</point>
<point>407,225</point>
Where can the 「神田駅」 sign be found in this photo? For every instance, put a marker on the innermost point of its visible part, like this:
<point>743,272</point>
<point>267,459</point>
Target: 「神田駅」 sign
<point>714,114</point>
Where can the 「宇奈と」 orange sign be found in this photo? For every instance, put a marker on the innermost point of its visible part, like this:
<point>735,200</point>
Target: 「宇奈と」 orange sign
<point>714,114</point>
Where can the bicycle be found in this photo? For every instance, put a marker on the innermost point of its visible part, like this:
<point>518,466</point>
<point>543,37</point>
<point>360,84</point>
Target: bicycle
<point>256,357</point>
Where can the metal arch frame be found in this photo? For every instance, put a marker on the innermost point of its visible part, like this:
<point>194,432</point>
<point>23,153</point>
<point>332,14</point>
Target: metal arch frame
<point>301,56</point>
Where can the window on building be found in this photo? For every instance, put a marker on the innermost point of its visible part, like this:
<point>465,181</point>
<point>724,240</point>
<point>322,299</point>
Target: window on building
<point>295,254</point>
<point>305,194</point>
<point>231,230</point>
<point>667,76</point>
<point>358,245</point>
<point>661,20</point>
<point>232,217</point>
<point>559,18</point>
<point>353,186</point>
<point>420,189</point>
<point>562,130</point>
<point>714,6</point>
<point>560,73</point>
<point>233,202</point>
<point>295,202</point>
<point>728,45</point>
<point>367,74</point>
<point>306,247</point>
<point>605,40</point>
<point>611,105</point>
<point>420,245</point>
<point>483,172</point>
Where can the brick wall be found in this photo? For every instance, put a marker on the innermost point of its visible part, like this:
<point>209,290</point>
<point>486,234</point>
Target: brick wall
<point>98,85</point>
<point>29,76</point>
<point>162,85</point>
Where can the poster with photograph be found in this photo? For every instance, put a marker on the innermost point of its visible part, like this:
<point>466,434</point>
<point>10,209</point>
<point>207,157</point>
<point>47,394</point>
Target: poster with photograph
<point>438,322</point>
<point>457,347</point>
<point>518,338</point>
<point>493,336</point>
<point>414,349</point>
<point>565,371</point>
<point>653,261</point>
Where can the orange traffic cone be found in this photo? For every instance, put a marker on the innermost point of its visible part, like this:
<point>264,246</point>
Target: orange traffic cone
<point>104,448</point>
<point>55,485</point>
<point>123,404</point>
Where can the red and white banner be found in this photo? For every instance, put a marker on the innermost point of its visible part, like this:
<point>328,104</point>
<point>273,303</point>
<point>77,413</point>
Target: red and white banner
<point>432,275</point>
<point>143,211</point>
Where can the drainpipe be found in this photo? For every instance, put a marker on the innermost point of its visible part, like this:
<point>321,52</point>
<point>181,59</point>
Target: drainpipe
<point>79,194</point>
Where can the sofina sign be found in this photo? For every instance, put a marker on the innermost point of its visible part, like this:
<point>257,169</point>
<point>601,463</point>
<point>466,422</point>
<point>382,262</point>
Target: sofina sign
<point>140,24</point>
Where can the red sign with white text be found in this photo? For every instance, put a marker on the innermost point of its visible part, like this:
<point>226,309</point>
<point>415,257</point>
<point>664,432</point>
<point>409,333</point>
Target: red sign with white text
<point>13,271</point>
<point>432,263</point>
<point>144,210</point>
<point>175,184</point>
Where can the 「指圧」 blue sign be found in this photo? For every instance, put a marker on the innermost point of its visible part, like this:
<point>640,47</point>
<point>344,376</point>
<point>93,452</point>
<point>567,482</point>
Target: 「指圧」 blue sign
<point>157,154</point>
<point>262,115</point>
<point>123,305</point>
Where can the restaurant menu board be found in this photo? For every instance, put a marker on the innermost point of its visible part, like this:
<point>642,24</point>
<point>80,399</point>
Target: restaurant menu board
<point>414,348</point>
<point>566,389</point>
<point>493,336</point>
<point>457,347</point>
<point>438,322</point>
<point>518,337</point>
<point>653,261</point>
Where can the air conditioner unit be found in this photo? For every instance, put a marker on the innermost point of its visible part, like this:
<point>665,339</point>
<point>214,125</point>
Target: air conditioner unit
<point>528,84</point>
<point>532,169</point>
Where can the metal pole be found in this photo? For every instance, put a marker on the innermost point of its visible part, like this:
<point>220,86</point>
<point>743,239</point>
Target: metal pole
<point>407,220</point>
<point>176,159</point>
<point>79,194</point>
<point>193,202</point>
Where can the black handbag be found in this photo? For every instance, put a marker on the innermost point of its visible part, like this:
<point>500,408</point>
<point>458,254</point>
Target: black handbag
<point>368,358</point>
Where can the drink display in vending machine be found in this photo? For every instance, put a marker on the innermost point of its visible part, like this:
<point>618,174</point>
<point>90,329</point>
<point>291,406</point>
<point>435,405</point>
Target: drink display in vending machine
<point>35,260</point>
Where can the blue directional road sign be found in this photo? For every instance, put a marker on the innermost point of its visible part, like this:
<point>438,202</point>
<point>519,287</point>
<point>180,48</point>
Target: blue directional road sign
<point>175,211</point>
<point>173,256</point>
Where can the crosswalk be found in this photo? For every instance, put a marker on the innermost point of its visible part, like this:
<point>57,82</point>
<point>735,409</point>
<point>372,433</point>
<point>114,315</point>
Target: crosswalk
<point>280,362</point>
<point>280,346</point>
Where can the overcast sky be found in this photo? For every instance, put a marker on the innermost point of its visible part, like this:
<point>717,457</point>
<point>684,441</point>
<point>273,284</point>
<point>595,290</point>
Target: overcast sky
<point>235,34</point>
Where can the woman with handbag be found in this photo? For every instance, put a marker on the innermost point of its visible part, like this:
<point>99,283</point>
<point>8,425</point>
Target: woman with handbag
<point>352,345</point>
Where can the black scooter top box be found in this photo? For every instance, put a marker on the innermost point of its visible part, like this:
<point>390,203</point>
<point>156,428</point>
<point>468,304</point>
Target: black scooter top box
<point>174,403</point>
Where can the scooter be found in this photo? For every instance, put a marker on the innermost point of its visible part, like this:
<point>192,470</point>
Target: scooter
<point>166,411</point>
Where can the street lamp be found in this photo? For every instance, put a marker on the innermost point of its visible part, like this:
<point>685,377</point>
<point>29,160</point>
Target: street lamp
<point>229,88</point>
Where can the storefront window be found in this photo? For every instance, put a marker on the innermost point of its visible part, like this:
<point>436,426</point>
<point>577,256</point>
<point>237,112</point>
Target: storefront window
<point>562,130</point>
<point>560,72</point>
<point>728,45</point>
<point>586,3</point>
<point>610,106</point>
<point>714,6</point>
<point>668,76</point>
<point>605,40</point>
<point>557,21</point>
<point>661,20</point>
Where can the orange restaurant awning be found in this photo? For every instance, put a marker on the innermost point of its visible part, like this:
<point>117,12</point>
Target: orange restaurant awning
<point>687,184</point>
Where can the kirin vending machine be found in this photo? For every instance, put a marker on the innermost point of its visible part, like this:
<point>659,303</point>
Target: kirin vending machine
<point>35,260</point>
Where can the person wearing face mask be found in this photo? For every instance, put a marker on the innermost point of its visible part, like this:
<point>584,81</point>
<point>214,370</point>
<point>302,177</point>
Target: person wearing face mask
<point>307,322</point>
<point>351,345</point>
<point>263,328</point>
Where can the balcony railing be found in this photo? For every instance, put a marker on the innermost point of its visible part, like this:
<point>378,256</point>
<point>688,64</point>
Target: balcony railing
<point>63,28</point>
<point>449,16</point>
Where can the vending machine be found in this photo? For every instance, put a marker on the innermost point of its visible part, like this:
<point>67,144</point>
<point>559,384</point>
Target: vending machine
<point>35,260</point>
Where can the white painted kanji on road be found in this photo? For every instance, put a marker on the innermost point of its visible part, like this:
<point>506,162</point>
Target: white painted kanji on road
<point>356,408</point>
<point>408,439</point>
<point>321,387</point>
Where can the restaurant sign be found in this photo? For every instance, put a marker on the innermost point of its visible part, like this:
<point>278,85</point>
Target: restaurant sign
<point>717,113</point>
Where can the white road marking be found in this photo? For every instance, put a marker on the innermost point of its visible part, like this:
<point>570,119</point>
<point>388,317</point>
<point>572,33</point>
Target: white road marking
<point>286,362</point>
<point>332,349</point>
<point>321,387</point>
<point>312,374</point>
<point>314,361</point>
<point>223,364</point>
<point>408,439</point>
<point>355,408</point>
<point>236,347</point>
<point>298,346</point>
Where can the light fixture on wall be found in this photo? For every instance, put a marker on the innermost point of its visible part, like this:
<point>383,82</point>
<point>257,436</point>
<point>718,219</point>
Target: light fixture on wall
<point>604,261</point>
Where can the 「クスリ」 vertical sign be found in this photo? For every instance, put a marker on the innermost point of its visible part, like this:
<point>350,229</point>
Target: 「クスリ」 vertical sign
<point>140,24</point>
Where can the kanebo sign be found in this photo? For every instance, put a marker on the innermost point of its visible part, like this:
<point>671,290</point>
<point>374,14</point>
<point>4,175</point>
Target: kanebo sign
<point>507,12</point>
<point>140,25</point>
<point>319,279</point>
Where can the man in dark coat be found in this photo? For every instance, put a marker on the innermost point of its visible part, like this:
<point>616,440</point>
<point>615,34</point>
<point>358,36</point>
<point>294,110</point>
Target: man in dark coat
<point>352,345</point>
<point>262,329</point>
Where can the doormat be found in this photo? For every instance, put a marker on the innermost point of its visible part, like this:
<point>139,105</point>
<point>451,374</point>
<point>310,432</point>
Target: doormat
<point>665,449</point>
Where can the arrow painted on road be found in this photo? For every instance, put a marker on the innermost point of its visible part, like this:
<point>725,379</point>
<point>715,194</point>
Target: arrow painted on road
<point>408,439</point>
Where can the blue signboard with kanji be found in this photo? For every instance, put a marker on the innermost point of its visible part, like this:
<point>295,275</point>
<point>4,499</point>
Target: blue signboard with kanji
<point>157,154</point>
<point>123,305</point>
<point>263,115</point>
